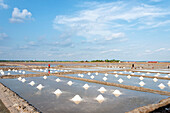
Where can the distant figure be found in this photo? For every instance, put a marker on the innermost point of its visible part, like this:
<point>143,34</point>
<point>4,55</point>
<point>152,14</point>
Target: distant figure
<point>133,66</point>
<point>168,67</point>
<point>49,71</point>
<point>48,65</point>
<point>49,68</point>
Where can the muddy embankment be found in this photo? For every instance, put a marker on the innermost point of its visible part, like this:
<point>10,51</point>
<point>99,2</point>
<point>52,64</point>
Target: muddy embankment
<point>153,107</point>
<point>14,103</point>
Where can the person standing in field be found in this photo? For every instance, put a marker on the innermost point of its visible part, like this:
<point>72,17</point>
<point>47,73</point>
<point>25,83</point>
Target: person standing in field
<point>133,66</point>
<point>48,68</point>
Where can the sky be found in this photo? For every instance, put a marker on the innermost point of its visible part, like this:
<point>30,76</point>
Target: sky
<point>131,30</point>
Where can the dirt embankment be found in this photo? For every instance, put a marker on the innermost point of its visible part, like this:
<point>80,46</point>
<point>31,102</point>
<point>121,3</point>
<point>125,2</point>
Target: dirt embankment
<point>14,103</point>
<point>153,107</point>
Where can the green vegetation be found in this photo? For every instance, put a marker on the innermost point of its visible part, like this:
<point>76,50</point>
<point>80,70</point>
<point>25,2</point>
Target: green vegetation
<point>105,60</point>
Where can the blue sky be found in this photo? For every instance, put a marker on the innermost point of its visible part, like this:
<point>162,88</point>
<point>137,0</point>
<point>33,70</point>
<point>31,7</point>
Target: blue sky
<point>85,29</point>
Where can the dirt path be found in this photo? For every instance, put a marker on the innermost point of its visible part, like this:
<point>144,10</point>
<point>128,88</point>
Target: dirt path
<point>14,103</point>
<point>3,109</point>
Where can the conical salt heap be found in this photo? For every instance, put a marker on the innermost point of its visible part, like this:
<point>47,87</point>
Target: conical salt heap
<point>69,83</point>
<point>97,73</point>
<point>141,83</point>
<point>155,79</point>
<point>128,76</point>
<point>102,90</point>
<point>19,78</point>
<point>104,78</point>
<point>58,92</point>
<point>169,83</point>
<point>23,80</point>
<point>45,77</point>
<point>141,78</point>
<point>86,86</point>
<point>23,72</point>
<point>89,73</point>
<point>132,73</point>
<point>76,99</point>
<point>40,86</point>
<point>120,72</point>
<point>92,77</point>
<point>161,86</point>
<point>2,73</point>
<point>106,74</point>
<point>81,75</point>
<point>120,80</point>
<point>100,98</point>
<point>116,75</point>
<point>117,93</point>
<point>32,83</point>
<point>57,80</point>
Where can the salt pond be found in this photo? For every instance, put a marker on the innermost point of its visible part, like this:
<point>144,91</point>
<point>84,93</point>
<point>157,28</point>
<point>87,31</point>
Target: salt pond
<point>9,66</point>
<point>120,79</point>
<point>141,73</point>
<point>16,72</point>
<point>46,101</point>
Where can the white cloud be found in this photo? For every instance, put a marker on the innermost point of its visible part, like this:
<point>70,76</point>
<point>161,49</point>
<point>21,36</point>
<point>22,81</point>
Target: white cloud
<point>3,5</point>
<point>32,43</point>
<point>160,49</point>
<point>155,0</point>
<point>107,20</point>
<point>112,50</point>
<point>115,35</point>
<point>161,23</point>
<point>3,35</point>
<point>20,16</point>
<point>154,51</point>
<point>147,51</point>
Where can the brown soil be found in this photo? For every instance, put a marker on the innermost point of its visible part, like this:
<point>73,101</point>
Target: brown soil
<point>14,103</point>
<point>3,109</point>
<point>153,108</point>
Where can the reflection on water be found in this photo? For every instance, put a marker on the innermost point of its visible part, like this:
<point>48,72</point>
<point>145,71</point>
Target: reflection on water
<point>129,80</point>
<point>9,66</point>
<point>15,72</point>
<point>91,100</point>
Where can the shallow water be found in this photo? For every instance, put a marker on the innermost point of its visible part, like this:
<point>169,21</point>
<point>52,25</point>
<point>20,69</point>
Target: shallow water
<point>133,81</point>
<point>47,102</point>
<point>84,69</point>
<point>163,70</point>
<point>141,73</point>
<point>51,70</point>
<point>17,73</point>
<point>64,64</point>
<point>9,66</point>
